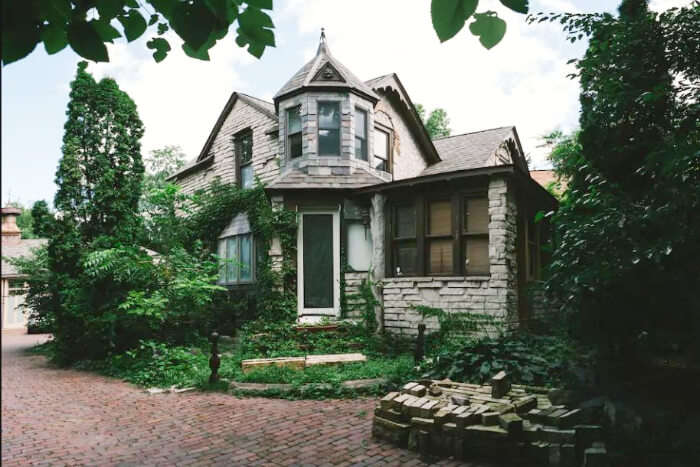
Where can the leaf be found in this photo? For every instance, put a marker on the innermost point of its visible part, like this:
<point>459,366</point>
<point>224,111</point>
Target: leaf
<point>134,25</point>
<point>449,16</point>
<point>193,23</point>
<point>86,42</point>
<point>54,38</point>
<point>161,46</point>
<point>201,54</point>
<point>262,4</point>
<point>109,9</point>
<point>106,31</point>
<point>539,216</point>
<point>153,20</point>
<point>521,6</point>
<point>225,10</point>
<point>489,27</point>
<point>18,40</point>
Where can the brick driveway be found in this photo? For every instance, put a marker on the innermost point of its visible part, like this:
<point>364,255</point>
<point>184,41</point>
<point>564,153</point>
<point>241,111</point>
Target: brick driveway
<point>68,417</point>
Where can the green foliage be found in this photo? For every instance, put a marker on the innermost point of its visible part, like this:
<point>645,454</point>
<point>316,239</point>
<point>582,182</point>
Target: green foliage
<point>437,124</point>
<point>626,231</point>
<point>38,302</point>
<point>366,302</point>
<point>199,23</point>
<point>42,219</point>
<point>450,16</point>
<point>528,359</point>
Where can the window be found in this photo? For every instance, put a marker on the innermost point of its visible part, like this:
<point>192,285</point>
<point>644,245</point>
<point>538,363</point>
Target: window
<point>439,237</point>
<point>329,128</point>
<point>294,146</point>
<point>237,251</point>
<point>430,236</point>
<point>359,246</point>
<point>404,245</point>
<point>381,150</point>
<point>243,147</point>
<point>476,235</point>
<point>360,134</point>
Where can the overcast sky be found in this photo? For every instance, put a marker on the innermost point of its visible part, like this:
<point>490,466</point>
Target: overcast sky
<point>522,81</point>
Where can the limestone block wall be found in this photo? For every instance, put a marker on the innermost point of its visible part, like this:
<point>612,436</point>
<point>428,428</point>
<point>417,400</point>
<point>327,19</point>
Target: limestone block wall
<point>493,295</point>
<point>353,280</point>
<point>265,163</point>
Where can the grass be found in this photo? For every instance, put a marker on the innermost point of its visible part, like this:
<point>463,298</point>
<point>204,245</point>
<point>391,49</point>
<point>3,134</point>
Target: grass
<point>155,364</point>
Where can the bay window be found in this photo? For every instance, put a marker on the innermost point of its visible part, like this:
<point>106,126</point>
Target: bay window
<point>329,128</point>
<point>236,251</point>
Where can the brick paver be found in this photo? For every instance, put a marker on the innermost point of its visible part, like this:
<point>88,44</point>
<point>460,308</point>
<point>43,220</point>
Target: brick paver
<point>53,416</point>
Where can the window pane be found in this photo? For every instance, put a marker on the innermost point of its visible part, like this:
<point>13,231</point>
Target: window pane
<point>381,150</point>
<point>361,123</point>
<point>440,256</point>
<point>359,246</point>
<point>476,217</point>
<point>329,115</point>
<point>440,218</point>
<point>222,256</point>
<point>247,176</point>
<point>329,142</point>
<point>293,121</point>
<point>477,251</point>
<point>295,145</point>
<point>405,258</point>
<point>360,148</point>
<point>405,221</point>
<point>244,148</point>
<point>232,256</point>
<point>246,258</point>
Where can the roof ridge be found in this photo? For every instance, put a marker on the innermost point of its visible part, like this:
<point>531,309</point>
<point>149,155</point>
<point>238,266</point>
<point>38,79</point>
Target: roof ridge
<point>474,132</point>
<point>253,97</point>
<point>379,77</point>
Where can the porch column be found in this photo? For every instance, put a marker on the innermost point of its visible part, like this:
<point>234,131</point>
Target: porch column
<point>377,224</point>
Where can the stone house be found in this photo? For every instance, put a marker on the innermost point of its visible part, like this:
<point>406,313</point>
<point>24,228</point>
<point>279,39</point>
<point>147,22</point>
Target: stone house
<point>445,223</point>
<point>13,284</point>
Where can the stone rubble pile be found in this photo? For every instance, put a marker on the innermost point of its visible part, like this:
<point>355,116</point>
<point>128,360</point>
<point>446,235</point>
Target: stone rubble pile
<point>512,423</point>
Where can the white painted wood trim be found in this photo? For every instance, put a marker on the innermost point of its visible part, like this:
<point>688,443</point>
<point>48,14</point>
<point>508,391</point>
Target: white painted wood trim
<point>335,311</point>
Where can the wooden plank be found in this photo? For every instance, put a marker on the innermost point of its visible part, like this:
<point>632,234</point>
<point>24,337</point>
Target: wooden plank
<point>296,363</point>
<point>333,359</point>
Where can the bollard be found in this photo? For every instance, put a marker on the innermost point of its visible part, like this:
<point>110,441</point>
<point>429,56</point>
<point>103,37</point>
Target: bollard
<point>420,344</point>
<point>214,360</point>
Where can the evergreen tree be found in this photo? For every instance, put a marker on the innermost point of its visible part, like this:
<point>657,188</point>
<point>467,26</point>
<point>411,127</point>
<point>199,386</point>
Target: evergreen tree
<point>99,183</point>
<point>42,219</point>
<point>437,123</point>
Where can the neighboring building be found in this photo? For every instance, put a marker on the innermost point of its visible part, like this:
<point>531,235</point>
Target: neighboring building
<point>549,178</point>
<point>13,284</point>
<point>445,223</point>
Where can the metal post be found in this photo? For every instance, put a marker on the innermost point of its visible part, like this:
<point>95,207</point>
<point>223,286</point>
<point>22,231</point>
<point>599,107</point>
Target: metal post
<point>420,344</point>
<point>214,360</point>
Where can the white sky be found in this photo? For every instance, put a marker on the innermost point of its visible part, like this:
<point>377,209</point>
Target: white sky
<point>522,81</point>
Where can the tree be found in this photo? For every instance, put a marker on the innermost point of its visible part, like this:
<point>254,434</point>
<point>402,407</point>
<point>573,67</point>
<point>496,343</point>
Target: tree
<point>437,124</point>
<point>625,262</point>
<point>88,25</point>
<point>99,185</point>
<point>42,219</point>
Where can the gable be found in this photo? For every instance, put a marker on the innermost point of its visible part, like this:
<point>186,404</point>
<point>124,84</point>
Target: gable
<point>328,73</point>
<point>390,88</point>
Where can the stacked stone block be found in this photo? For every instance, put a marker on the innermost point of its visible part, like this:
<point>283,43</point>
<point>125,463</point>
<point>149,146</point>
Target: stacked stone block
<point>467,421</point>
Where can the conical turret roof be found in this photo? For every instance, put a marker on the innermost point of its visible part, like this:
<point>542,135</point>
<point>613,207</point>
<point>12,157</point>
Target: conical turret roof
<point>325,72</point>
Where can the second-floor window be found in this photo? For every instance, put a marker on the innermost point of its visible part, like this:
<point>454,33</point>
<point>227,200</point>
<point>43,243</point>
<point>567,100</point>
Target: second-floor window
<point>381,150</point>
<point>294,145</point>
<point>243,146</point>
<point>360,134</point>
<point>329,128</point>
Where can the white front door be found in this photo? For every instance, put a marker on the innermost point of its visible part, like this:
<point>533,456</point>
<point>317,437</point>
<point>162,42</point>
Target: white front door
<point>318,264</point>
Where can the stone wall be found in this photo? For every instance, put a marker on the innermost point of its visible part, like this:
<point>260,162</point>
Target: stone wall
<point>353,280</point>
<point>265,164</point>
<point>493,295</point>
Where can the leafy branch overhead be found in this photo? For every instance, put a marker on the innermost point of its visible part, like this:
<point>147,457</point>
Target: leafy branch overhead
<point>87,25</point>
<point>450,16</point>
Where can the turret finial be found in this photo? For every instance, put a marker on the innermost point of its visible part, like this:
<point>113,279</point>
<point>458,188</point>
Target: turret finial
<point>322,44</point>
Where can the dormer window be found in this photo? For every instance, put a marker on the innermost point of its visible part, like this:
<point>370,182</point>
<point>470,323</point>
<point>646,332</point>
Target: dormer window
<point>329,128</point>
<point>294,146</point>
<point>243,147</point>
<point>361,134</point>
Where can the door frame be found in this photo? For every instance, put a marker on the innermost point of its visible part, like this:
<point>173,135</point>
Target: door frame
<point>319,312</point>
